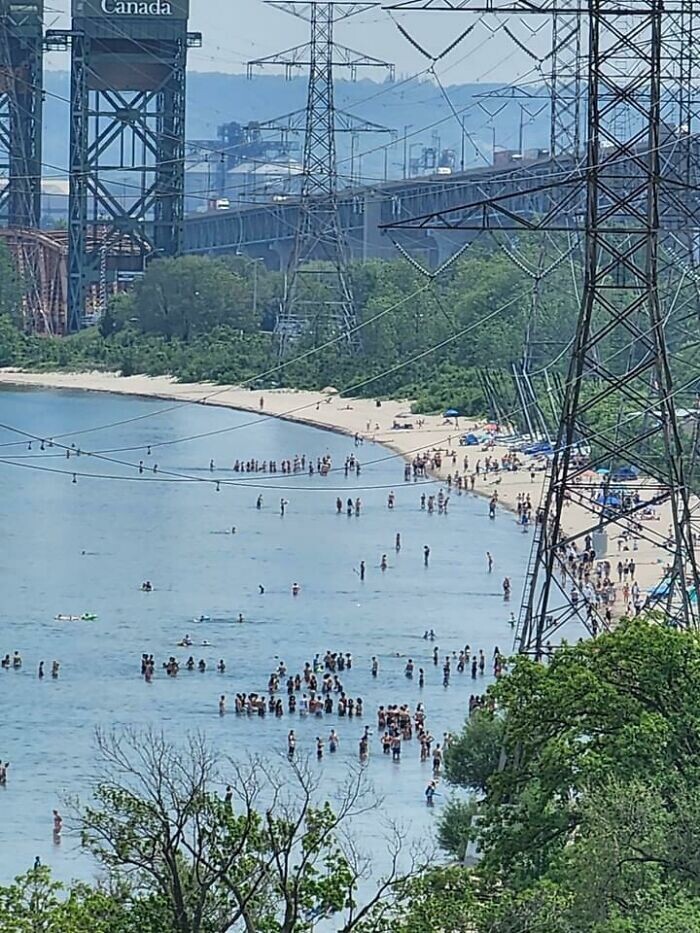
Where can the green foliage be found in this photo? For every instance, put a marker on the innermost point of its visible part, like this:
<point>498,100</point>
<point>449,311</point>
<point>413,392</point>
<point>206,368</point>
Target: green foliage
<point>473,756</point>
<point>589,816</point>
<point>211,319</point>
<point>10,290</point>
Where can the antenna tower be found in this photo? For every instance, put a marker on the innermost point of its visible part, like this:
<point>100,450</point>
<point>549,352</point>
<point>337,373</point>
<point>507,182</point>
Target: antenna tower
<point>318,292</point>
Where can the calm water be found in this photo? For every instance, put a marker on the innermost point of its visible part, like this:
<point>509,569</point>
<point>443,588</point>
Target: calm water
<point>86,546</point>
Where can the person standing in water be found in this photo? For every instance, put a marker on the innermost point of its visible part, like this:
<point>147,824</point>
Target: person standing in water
<point>426,555</point>
<point>398,542</point>
<point>362,570</point>
<point>489,561</point>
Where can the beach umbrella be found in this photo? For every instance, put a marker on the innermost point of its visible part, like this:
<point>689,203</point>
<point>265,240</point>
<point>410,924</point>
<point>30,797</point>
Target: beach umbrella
<point>451,413</point>
<point>491,427</point>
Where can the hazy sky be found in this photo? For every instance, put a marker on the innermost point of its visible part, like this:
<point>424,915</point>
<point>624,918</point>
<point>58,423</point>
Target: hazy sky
<point>237,30</point>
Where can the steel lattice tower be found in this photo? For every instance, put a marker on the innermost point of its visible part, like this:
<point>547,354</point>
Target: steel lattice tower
<point>635,198</point>
<point>21,90</point>
<point>127,138</point>
<point>318,291</point>
<point>565,85</point>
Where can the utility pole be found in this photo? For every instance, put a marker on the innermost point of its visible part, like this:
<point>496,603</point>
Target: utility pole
<point>318,292</point>
<point>621,397</point>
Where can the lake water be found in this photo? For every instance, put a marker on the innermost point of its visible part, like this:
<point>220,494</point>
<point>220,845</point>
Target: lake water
<point>87,546</point>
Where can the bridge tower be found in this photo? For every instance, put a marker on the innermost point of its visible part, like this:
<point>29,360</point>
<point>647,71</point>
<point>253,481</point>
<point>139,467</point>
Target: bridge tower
<point>21,59</point>
<point>318,290</point>
<point>127,138</point>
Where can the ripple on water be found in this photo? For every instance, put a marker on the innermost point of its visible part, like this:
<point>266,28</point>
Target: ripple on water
<point>172,535</point>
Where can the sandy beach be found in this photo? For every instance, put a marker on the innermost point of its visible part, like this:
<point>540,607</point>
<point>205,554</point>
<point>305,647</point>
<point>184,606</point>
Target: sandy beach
<point>372,422</point>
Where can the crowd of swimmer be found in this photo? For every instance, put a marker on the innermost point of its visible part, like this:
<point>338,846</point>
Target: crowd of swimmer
<point>15,663</point>
<point>300,463</point>
<point>323,693</point>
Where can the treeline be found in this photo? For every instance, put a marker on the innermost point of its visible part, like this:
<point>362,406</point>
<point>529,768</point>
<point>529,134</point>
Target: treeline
<point>575,809</point>
<point>212,319</point>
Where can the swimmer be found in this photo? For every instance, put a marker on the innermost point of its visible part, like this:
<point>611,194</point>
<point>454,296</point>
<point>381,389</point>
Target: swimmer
<point>240,618</point>
<point>57,824</point>
<point>40,672</point>
<point>222,704</point>
<point>375,667</point>
<point>383,563</point>
<point>261,588</point>
<point>397,545</point>
<point>295,589</point>
<point>362,570</point>
<point>426,555</point>
<point>221,666</point>
<point>489,561</point>
<point>259,502</point>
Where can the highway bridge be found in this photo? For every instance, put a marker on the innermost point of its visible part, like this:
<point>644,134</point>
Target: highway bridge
<point>266,230</point>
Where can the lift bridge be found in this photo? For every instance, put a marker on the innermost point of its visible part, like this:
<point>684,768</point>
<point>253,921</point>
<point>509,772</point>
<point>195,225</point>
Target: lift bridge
<point>127,148</point>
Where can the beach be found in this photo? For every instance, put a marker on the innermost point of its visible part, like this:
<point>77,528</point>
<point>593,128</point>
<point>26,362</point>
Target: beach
<point>372,421</point>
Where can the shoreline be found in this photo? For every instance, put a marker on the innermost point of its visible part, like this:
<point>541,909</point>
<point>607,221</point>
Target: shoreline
<point>368,420</point>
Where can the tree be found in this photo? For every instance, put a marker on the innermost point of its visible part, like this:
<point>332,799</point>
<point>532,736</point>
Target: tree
<point>35,903</point>
<point>188,296</point>
<point>473,756</point>
<point>10,287</point>
<point>589,821</point>
<point>272,860</point>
